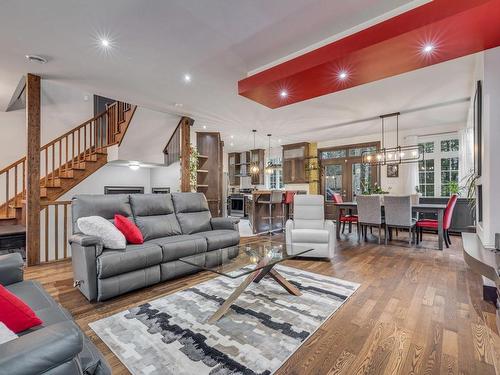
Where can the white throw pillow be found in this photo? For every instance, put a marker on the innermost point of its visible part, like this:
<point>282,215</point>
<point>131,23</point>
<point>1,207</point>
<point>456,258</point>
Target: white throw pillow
<point>98,226</point>
<point>6,334</point>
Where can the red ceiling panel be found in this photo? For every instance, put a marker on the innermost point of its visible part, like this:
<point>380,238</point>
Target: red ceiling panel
<point>454,28</point>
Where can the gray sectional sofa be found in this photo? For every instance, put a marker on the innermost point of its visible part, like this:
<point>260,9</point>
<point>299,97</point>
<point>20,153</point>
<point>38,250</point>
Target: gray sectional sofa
<point>58,346</point>
<point>173,226</point>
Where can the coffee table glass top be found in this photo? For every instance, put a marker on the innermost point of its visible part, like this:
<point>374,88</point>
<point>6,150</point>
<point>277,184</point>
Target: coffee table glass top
<point>240,260</point>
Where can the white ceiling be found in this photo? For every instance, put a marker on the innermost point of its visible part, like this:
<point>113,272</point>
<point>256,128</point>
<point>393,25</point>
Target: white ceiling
<point>154,43</point>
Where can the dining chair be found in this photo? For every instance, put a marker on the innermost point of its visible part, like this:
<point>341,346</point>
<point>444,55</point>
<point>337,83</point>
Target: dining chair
<point>433,224</point>
<point>398,214</point>
<point>370,215</point>
<point>349,219</point>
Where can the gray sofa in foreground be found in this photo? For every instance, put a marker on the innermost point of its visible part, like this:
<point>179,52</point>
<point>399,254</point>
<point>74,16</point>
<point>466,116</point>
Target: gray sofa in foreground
<point>58,346</point>
<point>173,226</point>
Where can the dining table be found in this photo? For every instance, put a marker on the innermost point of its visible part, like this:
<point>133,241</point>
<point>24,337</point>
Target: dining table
<point>438,209</point>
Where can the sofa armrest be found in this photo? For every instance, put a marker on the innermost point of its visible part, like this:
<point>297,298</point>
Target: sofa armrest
<point>332,239</point>
<point>87,241</point>
<point>224,223</point>
<point>42,350</point>
<point>84,253</point>
<point>288,231</point>
<point>11,268</point>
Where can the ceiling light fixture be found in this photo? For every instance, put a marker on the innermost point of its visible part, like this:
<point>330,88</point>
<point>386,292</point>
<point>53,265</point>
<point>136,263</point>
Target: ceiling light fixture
<point>187,78</point>
<point>204,126</point>
<point>134,166</point>
<point>343,75</point>
<point>428,48</point>
<point>283,93</point>
<point>105,43</point>
<point>270,167</point>
<point>231,144</point>
<point>36,59</point>
<point>254,167</point>
<point>232,136</point>
<point>393,155</point>
<point>178,105</point>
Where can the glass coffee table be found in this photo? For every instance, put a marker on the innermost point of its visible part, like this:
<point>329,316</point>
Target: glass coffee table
<point>255,261</point>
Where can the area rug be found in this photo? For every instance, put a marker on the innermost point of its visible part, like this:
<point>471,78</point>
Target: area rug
<point>263,328</point>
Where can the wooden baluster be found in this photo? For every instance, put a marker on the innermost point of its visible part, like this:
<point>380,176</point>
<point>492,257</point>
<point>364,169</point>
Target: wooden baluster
<point>65,231</point>
<point>15,185</point>
<point>85,140</point>
<point>56,232</point>
<point>66,161</point>
<point>7,193</point>
<point>53,163</point>
<point>60,157</point>
<point>24,179</point>
<point>46,179</point>
<point>47,233</point>
<point>73,150</point>
<point>95,135</point>
<point>79,147</point>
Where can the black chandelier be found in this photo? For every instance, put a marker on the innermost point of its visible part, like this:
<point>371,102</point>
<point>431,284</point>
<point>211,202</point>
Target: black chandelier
<point>393,155</point>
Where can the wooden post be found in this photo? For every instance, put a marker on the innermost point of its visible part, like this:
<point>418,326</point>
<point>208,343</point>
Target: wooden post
<point>186,123</point>
<point>33,169</point>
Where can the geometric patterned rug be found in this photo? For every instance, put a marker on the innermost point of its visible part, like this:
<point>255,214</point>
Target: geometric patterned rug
<point>262,329</point>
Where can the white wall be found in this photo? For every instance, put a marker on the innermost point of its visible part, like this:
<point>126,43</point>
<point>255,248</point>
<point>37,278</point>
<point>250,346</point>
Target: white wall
<point>62,108</point>
<point>147,136</point>
<point>167,177</point>
<point>490,178</point>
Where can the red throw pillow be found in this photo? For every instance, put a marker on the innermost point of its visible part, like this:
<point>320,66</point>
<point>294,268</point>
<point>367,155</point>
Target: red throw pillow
<point>15,314</point>
<point>129,230</point>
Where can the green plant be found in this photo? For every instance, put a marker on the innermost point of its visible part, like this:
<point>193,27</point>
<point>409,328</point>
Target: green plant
<point>193,168</point>
<point>375,189</point>
<point>469,187</point>
<point>454,187</point>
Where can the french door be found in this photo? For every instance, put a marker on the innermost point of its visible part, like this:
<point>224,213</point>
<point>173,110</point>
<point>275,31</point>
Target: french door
<point>343,172</point>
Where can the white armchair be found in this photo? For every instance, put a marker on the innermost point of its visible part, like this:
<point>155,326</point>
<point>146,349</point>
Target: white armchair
<point>309,227</point>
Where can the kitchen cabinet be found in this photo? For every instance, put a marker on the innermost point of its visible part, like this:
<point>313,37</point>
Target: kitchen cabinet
<point>294,160</point>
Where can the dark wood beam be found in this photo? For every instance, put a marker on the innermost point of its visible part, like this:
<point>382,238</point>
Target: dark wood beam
<point>33,93</point>
<point>186,123</point>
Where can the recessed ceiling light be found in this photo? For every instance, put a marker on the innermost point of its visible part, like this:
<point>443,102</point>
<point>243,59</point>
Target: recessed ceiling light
<point>343,75</point>
<point>178,105</point>
<point>231,144</point>
<point>105,42</point>
<point>283,93</point>
<point>204,126</point>
<point>36,59</point>
<point>187,77</point>
<point>232,136</point>
<point>428,48</point>
<point>279,140</point>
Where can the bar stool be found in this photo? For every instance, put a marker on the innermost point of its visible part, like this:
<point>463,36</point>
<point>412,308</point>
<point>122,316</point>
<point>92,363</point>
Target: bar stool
<point>276,197</point>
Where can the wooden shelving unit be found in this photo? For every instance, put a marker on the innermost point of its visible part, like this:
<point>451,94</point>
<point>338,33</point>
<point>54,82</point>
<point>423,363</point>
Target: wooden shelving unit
<point>209,173</point>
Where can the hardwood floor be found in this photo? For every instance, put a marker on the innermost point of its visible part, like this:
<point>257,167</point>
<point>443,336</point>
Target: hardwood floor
<point>418,311</point>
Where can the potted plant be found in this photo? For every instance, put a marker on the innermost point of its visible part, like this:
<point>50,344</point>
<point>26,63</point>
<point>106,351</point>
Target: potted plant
<point>193,168</point>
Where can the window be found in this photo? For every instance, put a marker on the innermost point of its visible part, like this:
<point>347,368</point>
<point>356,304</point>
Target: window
<point>335,154</point>
<point>439,171</point>
<point>426,177</point>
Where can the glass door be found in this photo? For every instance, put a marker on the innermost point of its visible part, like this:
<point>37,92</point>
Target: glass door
<point>362,176</point>
<point>334,181</point>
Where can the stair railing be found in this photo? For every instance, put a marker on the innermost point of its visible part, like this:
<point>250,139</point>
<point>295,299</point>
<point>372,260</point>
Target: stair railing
<point>63,154</point>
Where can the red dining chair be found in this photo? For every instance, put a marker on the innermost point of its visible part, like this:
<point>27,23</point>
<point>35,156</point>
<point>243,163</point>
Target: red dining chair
<point>349,219</point>
<point>433,224</point>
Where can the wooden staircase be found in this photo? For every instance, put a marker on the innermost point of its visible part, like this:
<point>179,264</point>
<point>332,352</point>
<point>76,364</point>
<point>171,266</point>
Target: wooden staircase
<point>66,161</point>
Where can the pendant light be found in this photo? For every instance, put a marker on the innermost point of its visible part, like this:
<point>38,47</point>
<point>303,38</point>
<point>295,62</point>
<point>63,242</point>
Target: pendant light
<point>270,166</point>
<point>254,166</point>
<point>393,155</point>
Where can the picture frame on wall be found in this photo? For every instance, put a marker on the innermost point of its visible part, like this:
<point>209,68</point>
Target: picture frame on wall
<point>392,170</point>
<point>478,125</point>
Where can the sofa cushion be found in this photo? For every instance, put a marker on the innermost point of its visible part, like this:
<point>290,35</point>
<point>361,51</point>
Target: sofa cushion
<point>100,227</point>
<point>175,247</point>
<point>16,314</point>
<point>106,206</point>
<point>131,232</point>
<point>154,215</point>
<point>310,236</point>
<point>220,238</point>
<point>32,294</point>
<point>134,257</point>
<point>192,212</point>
